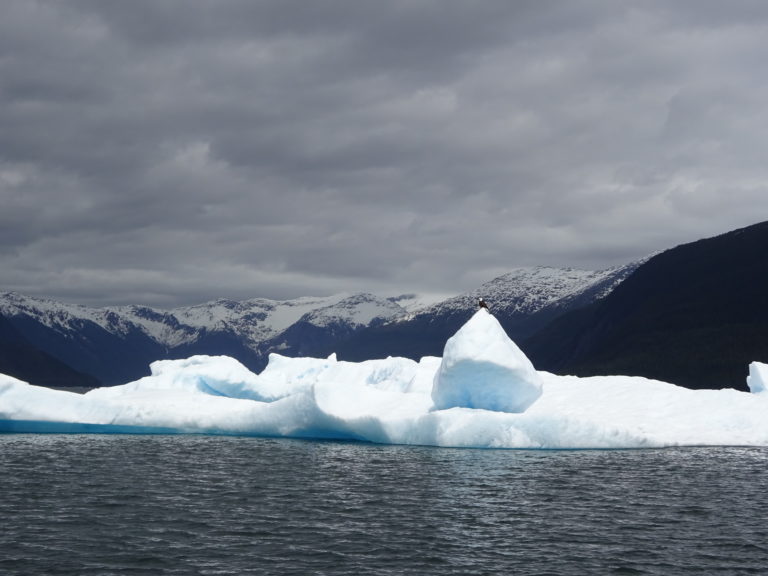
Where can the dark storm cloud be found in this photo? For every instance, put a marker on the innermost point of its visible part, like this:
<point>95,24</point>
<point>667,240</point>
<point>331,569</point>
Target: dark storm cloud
<point>177,151</point>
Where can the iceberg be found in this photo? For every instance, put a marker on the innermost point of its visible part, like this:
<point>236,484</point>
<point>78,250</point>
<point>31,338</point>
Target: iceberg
<point>483,368</point>
<point>758,377</point>
<point>482,393</point>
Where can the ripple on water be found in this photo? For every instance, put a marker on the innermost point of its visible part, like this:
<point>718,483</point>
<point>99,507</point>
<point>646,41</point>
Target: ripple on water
<point>217,505</point>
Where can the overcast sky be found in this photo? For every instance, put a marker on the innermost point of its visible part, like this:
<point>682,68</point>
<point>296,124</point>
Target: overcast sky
<point>173,152</point>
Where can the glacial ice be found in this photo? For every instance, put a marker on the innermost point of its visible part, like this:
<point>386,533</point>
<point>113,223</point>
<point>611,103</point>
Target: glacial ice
<point>758,377</point>
<point>483,368</point>
<point>483,392</point>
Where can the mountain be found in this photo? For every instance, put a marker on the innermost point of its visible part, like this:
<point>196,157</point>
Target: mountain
<point>19,356</point>
<point>695,315</point>
<point>114,345</point>
<point>523,301</point>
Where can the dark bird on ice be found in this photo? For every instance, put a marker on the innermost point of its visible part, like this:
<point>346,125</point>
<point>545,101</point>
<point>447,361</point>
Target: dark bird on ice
<point>481,304</point>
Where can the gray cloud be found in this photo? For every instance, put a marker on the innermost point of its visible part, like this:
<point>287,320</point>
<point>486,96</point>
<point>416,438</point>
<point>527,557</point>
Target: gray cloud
<point>178,151</point>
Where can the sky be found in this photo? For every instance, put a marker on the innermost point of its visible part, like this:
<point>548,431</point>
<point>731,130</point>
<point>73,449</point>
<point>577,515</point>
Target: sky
<point>172,152</point>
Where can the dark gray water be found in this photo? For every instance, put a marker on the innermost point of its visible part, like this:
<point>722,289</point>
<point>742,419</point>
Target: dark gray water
<point>103,505</point>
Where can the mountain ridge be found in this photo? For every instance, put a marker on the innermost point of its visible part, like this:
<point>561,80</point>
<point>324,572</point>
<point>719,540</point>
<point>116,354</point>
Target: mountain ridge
<point>523,300</point>
<point>695,315</point>
<point>98,341</point>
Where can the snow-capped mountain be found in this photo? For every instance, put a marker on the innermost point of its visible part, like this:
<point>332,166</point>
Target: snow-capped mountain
<point>523,300</point>
<point>657,317</point>
<point>117,344</point>
<point>255,320</point>
<point>525,291</point>
<point>259,319</point>
<point>90,338</point>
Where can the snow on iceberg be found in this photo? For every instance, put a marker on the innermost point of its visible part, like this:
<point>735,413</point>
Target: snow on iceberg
<point>482,393</point>
<point>483,368</point>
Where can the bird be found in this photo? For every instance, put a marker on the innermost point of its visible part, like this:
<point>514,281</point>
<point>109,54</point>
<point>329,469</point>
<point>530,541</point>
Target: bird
<point>481,304</point>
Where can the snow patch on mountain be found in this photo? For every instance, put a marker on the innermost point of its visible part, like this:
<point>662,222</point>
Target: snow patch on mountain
<point>357,310</point>
<point>525,291</point>
<point>254,320</point>
<point>413,303</point>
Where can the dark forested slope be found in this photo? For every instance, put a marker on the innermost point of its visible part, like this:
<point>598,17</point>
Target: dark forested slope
<point>20,359</point>
<point>695,315</point>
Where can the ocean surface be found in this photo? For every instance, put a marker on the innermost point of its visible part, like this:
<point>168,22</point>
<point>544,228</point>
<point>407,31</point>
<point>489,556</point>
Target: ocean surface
<point>207,505</point>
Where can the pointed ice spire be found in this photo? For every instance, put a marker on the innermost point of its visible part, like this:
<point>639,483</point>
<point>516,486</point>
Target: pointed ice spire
<point>483,368</point>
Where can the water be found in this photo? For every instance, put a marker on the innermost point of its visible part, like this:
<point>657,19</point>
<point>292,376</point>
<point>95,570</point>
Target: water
<point>191,505</point>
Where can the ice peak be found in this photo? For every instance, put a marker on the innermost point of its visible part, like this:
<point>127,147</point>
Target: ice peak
<point>483,368</point>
